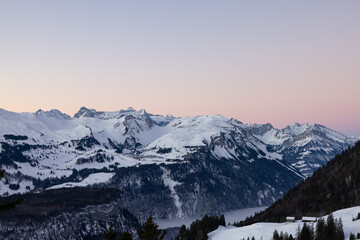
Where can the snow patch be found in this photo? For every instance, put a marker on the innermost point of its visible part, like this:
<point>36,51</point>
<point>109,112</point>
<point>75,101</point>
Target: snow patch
<point>21,187</point>
<point>169,182</point>
<point>270,138</point>
<point>92,179</point>
<point>222,152</point>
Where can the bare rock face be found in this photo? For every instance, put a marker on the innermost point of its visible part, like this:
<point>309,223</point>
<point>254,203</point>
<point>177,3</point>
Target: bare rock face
<point>85,112</point>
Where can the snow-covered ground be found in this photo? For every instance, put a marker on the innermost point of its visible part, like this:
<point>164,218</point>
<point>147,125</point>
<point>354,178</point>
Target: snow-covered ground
<point>230,217</point>
<point>92,179</point>
<point>265,230</point>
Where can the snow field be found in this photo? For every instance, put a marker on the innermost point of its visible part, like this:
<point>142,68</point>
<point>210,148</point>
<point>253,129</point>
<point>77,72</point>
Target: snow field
<point>265,230</point>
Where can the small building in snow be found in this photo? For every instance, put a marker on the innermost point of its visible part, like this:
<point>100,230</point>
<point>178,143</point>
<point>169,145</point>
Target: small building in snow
<point>290,219</point>
<point>308,219</point>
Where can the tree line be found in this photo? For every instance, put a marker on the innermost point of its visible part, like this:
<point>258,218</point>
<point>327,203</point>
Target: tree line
<point>331,229</point>
<point>198,230</point>
<point>148,231</point>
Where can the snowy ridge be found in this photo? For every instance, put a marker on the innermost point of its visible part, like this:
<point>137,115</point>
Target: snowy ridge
<point>51,144</point>
<point>305,146</point>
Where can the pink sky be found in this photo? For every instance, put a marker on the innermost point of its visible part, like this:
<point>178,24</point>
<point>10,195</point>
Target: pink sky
<point>281,63</point>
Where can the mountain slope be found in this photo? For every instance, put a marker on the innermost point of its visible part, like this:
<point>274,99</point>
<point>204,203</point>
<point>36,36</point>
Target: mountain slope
<point>77,213</point>
<point>202,185</point>
<point>330,188</point>
<point>306,147</point>
<point>265,230</point>
<point>184,161</point>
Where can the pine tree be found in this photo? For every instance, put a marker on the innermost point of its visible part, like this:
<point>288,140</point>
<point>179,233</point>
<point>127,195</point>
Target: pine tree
<point>306,233</point>
<point>110,233</point>
<point>330,228</point>
<point>149,231</point>
<point>352,236</point>
<point>320,230</point>
<point>281,235</point>
<point>126,236</point>
<point>339,230</point>
<point>276,235</point>
<point>286,236</point>
<point>183,233</point>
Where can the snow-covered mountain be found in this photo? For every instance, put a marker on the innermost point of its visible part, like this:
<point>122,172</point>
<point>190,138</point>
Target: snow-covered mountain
<point>186,160</point>
<point>306,147</point>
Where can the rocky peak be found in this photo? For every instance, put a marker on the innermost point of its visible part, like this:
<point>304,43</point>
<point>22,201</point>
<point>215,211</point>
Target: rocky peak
<point>52,113</point>
<point>85,112</point>
<point>261,129</point>
<point>296,129</point>
<point>127,111</point>
<point>142,112</point>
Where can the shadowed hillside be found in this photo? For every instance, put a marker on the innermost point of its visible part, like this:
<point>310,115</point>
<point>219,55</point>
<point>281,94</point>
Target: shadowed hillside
<point>333,187</point>
<point>58,200</point>
<point>73,213</point>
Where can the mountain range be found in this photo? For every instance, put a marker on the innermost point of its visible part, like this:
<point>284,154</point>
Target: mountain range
<point>165,166</point>
<point>332,189</point>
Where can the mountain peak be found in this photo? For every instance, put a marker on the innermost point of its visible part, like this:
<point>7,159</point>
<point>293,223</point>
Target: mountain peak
<point>142,111</point>
<point>296,128</point>
<point>85,112</point>
<point>52,113</point>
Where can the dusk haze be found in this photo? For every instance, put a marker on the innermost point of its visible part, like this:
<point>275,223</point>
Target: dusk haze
<point>279,62</point>
<point>180,120</point>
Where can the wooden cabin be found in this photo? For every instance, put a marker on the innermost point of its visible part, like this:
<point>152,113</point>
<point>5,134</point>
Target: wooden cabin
<point>308,219</point>
<point>290,219</point>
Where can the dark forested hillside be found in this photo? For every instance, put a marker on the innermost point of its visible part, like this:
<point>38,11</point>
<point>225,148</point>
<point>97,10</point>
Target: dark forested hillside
<point>333,187</point>
<point>54,201</point>
<point>76,213</point>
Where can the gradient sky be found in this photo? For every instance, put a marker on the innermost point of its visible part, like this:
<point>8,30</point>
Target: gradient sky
<point>257,61</point>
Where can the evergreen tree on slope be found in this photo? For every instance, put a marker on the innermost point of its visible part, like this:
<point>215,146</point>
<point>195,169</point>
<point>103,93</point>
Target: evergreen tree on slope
<point>149,231</point>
